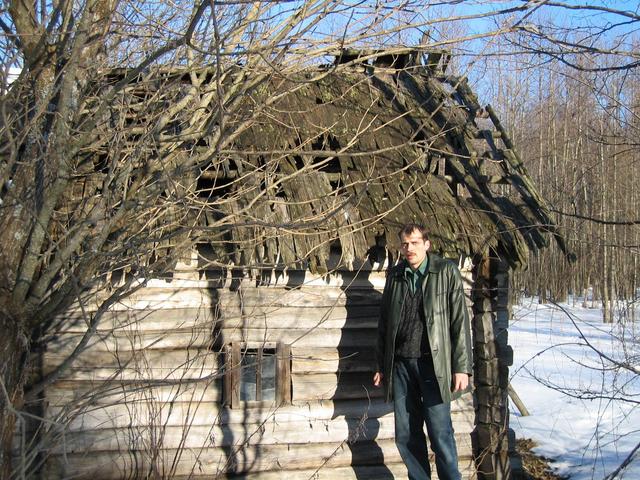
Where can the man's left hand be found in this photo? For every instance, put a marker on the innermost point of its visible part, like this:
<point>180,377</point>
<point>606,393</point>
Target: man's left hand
<point>460,382</point>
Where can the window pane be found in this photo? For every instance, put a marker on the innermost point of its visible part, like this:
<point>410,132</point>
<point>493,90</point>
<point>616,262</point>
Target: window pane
<point>248,377</point>
<point>268,375</point>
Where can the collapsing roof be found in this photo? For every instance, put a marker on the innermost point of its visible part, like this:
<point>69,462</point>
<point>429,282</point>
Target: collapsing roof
<point>341,157</point>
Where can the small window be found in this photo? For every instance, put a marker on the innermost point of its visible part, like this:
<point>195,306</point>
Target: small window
<point>257,375</point>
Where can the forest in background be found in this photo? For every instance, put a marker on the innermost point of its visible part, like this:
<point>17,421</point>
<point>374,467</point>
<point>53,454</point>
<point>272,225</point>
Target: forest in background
<point>575,121</point>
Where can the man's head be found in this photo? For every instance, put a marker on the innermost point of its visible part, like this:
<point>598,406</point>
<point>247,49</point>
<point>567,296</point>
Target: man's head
<point>414,244</point>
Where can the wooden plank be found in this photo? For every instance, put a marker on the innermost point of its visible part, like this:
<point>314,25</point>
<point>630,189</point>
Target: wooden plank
<point>348,338</point>
<point>154,298</point>
<point>185,410</point>
<point>145,411</point>
<point>138,359</point>
<point>284,460</point>
<point>304,431</point>
<point>236,316</point>
<point>170,374</point>
<point>199,436</point>
<point>138,319</point>
<point>283,376</point>
<point>80,395</point>
<point>212,461</point>
<point>392,470</point>
<point>331,360</point>
<point>301,317</point>
<point>76,393</point>
<point>142,365</point>
<point>122,341</point>
<point>336,386</point>
<point>313,296</point>
<point>200,364</point>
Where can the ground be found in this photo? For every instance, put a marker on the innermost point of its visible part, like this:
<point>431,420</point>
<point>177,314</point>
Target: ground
<point>534,467</point>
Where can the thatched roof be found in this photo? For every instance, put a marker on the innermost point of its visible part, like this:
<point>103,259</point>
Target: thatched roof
<point>349,155</point>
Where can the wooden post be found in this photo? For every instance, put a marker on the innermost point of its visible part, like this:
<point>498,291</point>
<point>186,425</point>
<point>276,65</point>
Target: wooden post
<point>492,357</point>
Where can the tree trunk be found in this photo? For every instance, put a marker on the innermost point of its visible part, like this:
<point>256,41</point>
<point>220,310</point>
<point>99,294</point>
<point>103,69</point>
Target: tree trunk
<point>13,352</point>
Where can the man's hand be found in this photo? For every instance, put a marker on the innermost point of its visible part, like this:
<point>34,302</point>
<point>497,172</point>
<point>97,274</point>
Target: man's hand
<point>377,379</point>
<point>460,381</point>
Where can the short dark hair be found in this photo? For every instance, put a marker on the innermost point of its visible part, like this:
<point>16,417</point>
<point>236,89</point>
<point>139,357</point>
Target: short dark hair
<point>409,228</point>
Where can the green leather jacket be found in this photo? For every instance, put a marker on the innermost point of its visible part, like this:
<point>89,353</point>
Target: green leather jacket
<point>447,320</point>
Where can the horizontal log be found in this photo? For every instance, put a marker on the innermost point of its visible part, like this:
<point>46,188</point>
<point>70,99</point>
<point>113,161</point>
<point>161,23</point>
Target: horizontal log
<point>198,404</point>
<point>332,360</point>
<point>152,437</point>
<point>198,413</point>
<point>155,298</point>
<point>184,319</point>
<point>347,317</point>
<point>192,363</point>
<point>183,373</point>
<point>264,462</point>
<point>330,337</point>
<point>213,461</point>
<point>331,385</point>
<point>123,341</point>
<point>138,359</point>
<point>81,395</point>
<point>304,431</point>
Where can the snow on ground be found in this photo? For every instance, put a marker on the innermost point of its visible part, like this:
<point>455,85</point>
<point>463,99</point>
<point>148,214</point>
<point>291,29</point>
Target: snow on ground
<point>561,380</point>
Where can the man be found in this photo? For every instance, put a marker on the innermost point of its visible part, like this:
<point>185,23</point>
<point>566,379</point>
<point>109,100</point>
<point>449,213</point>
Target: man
<point>423,355</point>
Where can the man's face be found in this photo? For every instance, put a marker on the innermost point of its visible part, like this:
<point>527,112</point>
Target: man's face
<point>414,248</point>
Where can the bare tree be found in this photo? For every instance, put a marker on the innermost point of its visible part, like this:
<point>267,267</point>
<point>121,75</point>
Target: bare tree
<point>119,117</point>
<point>117,137</point>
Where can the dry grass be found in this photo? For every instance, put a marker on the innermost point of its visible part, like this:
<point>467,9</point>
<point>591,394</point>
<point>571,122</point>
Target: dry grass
<point>534,467</point>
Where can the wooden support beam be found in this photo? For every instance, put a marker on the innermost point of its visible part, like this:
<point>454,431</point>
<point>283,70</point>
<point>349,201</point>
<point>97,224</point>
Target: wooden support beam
<point>490,435</point>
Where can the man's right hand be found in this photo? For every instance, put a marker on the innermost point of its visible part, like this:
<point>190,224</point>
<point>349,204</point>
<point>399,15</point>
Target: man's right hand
<point>377,379</point>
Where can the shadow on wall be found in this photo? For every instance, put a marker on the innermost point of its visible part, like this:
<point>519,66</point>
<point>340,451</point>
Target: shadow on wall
<point>356,399</point>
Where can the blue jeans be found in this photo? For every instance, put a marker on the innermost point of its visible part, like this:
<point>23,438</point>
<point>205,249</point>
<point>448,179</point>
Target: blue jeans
<point>416,401</point>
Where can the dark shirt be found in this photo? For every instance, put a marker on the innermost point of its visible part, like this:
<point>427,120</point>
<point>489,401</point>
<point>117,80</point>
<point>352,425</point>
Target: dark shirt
<point>411,339</point>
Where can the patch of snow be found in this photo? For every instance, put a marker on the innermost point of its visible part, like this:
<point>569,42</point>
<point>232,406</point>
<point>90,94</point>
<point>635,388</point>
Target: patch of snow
<point>578,416</point>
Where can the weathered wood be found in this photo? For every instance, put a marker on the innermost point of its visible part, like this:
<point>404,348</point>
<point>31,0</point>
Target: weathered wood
<point>197,412</point>
<point>123,341</point>
<point>330,360</point>
<point>351,338</point>
<point>191,409</point>
<point>211,461</point>
<point>239,316</point>
<point>154,298</point>
<point>329,385</point>
<point>192,364</point>
<point>81,394</point>
<point>139,360</point>
<point>517,401</point>
<point>283,374</point>
<point>490,375</point>
<point>269,460</point>
<point>305,431</point>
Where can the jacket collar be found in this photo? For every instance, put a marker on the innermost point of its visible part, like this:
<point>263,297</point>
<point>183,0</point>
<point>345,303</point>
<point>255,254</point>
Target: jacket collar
<point>436,263</point>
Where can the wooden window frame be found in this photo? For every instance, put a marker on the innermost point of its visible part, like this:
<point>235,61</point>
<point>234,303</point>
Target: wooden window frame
<point>233,374</point>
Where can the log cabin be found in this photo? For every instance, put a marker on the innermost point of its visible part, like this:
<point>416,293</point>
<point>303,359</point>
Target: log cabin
<point>254,358</point>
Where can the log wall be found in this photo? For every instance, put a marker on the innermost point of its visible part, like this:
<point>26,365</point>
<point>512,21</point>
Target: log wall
<point>147,398</point>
